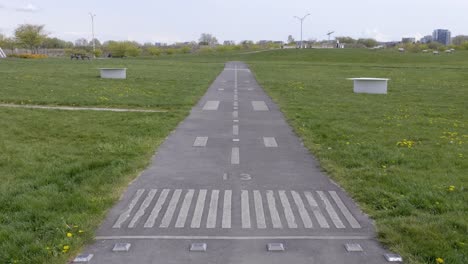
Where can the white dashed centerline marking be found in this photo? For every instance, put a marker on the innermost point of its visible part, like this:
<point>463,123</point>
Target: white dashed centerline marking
<point>211,105</point>
<point>235,114</point>
<point>235,156</point>
<point>235,130</point>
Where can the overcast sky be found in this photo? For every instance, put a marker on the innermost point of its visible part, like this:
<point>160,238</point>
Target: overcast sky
<point>184,20</point>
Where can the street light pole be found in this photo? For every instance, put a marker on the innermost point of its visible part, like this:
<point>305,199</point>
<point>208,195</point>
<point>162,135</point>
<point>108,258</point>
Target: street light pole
<point>92,29</point>
<point>302,20</point>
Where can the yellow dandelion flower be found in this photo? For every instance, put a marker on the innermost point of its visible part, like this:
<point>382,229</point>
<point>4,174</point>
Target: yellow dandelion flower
<point>66,247</point>
<point>451,188</point>
<point>439,260</point>
<point>80,231</point>
<point>69,234</point>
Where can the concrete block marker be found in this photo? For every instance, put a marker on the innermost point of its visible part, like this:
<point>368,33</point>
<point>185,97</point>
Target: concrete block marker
<point>390,257</point>
<point>83,258</point>
<point>259,106</point>
<point>353,247</point>
<point>275,247</point>
<point>211,105</point>
<point>200,142</point>
<point>198,247</point>
<point>270,142</point>
<point>121,247</point>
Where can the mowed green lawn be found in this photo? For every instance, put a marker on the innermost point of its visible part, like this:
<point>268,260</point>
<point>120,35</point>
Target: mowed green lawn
<point>402,156</point>
<point>61,170</point>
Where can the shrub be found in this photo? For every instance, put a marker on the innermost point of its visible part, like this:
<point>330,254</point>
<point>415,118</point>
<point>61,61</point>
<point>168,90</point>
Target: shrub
<point>154,51</point>
<point>170,51</point>
<point>185,50</point>
<point>123,49</point>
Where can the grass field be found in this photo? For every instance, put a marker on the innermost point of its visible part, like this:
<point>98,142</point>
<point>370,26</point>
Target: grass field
<point>401,156</point>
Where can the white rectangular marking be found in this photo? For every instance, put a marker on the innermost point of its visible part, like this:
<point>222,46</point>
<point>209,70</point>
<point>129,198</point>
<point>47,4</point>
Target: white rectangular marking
<point>302,211</point>
<point>156,209</point>
<point>213,211</point>
<point>166,221</point>
<point>200,142</point>
<point>126,214</point>
<point>235,159</point>
<point>220,89</point>
<point>270,142</point>
<point>275,219</point>
<point>226,222</point>
<point>288,213</point>
<point>235,140</point>
<point>331,211</point>
<point>198,213</point>
<point>184,210</point>
<point>235,104</point>
<point>142,209</point>
<point>245,209</point>
<point>315,209</point>
<point>236,120</point>
<point>235,114</point>
<point>236,108</point>
<point>259,106</point>
<point>235,130</point>
<point>211,105</point>
<point>259,210</point>
<point>347,214</point>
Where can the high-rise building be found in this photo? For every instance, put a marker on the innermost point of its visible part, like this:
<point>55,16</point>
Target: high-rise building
<point>426,39</point>
<point>442,36</point>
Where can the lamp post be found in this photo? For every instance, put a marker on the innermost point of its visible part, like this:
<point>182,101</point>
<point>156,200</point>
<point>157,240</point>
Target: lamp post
<point>302,20</point>
<point>92,30</point>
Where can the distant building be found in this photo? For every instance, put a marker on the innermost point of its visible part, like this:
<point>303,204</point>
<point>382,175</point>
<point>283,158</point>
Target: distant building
<point>426,39</point>
<point>442,36</point>
<point>229,43</point>
<point>408,40</point>
<point>159,44</point>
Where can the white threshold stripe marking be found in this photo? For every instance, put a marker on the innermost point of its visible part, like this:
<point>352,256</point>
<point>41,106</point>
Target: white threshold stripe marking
<point>316,210</point>
<point>259,210</point>
<point>275,219</point>
<point>235,159</point>
<point>211,105</point>
<point>126,214</point>
<point>166,221</point>
<point>142,209</point>
<point>290,219</point>
<point>270,142</point>
<point>212,212</point>
<point>235,130</point>
<point>185,208</point>
<point>331,211</point>
<point>302,211</point>
<point>235,114</point>
<point>259,106</point>
<point>226,222</point>
<point>197,215</point>
<point>245,209</point>
<point>347,214</point>
<point>156,209</point>
<point>200,141</point>
<point>239,237</point>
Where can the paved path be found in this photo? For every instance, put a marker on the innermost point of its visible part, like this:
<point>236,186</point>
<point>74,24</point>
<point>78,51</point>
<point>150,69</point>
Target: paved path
<point>234,176</point>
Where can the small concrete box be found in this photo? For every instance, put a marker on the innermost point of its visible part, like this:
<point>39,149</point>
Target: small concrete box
<point>370,85</point>
<point>113,73</point>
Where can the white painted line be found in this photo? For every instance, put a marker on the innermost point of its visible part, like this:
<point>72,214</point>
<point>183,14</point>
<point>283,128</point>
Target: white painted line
<point>226,222</point>
<point>156,209</point>
<point>198,213</point>
<point>126,214</point>
<point>220,89</point>
<point>200,142</point>
<point>235,77</point>
<point>235,140</point>
<point>236,97</point>
<point>237,237</point>
<point>234,69</point>
<point>142,209</point>
<point>259,106</point>
<point>235,159</point>
<point>236,108</point>
<point>288,213</point>
<point>235,120</point>
<point>182,218</point>
<point>347,214</point>
<point>166,221</point>
<point>245,209</point>
<point>316,210</point>
<point>211,105</point>
<point>275,219</point>
<point>302,211</point>
<point>270,142</point>
<point>235,114</point>
<point>259,210</point>
<point>235,130</point>
<point>331,211</point>
<point>212,212</point>
<point>235,104</point>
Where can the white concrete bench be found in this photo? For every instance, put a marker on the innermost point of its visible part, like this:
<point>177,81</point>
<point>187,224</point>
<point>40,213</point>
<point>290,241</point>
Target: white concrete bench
<point>370,85</point>
<point>113,73</point>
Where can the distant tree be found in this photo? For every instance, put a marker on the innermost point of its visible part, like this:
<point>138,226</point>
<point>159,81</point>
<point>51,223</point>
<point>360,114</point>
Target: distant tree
<point>291,39</point>
<point>459,40</point>
<point>8,43</point>
<point>55,43</point>
<point>207,40</point>
<point>96,42</point>
<point>30,36</point>
<point>346,40</point>
<point>123,48</point>
<point>81,42</point>
<point>368,42</point>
